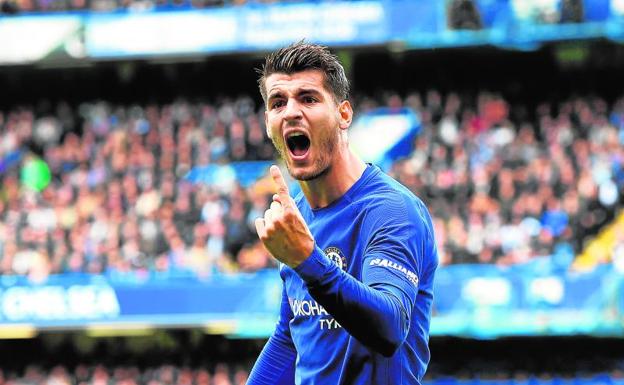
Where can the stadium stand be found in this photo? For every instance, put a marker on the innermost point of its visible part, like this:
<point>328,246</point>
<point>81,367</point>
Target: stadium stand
<point>127,375</point>
<point>118,199</point>
<point>511,190</point>
<point>501,190</point>
<point>189,358</point>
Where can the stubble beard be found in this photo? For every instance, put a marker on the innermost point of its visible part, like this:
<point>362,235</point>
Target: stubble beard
<point>322,164</point>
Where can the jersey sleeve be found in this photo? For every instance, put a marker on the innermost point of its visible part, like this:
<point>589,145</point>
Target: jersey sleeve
<point>400,238</point>
<point>276,363</point>
<point>377,310</point>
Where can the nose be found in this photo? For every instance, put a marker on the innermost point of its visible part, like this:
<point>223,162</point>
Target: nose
<point>292,110</point>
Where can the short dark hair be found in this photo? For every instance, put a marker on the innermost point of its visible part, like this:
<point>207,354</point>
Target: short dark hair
<point>303,56</point>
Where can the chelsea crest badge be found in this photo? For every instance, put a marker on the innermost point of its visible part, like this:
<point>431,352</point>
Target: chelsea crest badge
<point>337,257</point>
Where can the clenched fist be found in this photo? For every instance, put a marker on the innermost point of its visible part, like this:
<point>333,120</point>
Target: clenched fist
<point>283,231</point>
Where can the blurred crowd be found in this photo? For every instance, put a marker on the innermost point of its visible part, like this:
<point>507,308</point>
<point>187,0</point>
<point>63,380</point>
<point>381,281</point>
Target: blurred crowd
<point>36,6</point>
<point>117,197</point>
<point>191,357</point>
<point>502,188</point>
<point>227,375</point>
<point>125,375</point>
<point>506,189</point>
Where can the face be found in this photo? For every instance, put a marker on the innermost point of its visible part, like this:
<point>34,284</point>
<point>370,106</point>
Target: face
<point>304,122</point>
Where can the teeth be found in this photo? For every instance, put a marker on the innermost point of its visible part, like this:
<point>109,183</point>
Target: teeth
<point>294,134</point>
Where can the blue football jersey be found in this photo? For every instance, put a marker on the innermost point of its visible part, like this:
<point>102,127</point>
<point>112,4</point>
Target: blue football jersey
<point>357,310</point>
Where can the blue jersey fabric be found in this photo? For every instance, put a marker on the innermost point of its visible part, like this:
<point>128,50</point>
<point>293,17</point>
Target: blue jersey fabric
<point>357,310</point>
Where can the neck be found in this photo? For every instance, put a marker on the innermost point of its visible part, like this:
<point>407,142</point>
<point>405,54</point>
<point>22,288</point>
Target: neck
<point>344,171</point>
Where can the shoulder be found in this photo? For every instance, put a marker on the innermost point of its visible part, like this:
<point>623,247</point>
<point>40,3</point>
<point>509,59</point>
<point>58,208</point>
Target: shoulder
<point>387,201</point>
<point>397,225</point>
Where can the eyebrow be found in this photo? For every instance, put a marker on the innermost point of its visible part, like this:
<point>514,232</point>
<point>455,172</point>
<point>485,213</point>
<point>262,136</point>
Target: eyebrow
<point>300,92</point>
<point>306,91</point>
<point>273,95</point>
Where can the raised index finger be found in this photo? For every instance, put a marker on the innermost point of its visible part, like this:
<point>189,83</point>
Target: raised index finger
<point>282,188</point>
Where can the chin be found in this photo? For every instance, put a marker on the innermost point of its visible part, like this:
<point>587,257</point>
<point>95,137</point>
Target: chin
<point>305,177</point>
<point>305,174</point>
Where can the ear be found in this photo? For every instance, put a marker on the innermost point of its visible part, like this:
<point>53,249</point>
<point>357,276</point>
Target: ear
<point>266,124</point>
<point>346,114</point>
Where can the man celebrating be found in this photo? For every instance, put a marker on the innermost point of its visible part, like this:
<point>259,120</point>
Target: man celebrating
<point>356,249</point>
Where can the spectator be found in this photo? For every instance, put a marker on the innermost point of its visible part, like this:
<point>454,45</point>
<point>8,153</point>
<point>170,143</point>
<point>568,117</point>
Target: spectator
<point>502,191</point>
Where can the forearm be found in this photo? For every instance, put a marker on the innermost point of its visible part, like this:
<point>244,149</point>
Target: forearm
<point>375,314</point>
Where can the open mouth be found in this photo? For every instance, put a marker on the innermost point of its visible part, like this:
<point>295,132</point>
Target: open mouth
<point>298,144</point>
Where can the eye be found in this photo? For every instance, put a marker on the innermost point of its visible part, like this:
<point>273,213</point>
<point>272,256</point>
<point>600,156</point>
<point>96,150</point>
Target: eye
<point>309,99</point>
<point>277,104</point>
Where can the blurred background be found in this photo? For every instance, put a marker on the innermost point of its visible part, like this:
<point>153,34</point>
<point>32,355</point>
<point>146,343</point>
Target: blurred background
<point>133,162</point>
